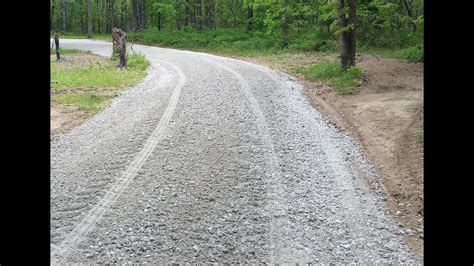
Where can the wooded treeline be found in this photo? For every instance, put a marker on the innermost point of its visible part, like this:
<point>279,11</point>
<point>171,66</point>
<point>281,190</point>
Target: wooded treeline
<point>379,22</point>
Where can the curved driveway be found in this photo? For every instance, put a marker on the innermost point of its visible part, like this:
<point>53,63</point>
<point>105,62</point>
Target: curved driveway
<point>211,159</point>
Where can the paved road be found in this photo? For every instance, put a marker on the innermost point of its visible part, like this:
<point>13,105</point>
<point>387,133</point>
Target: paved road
<point>211,159</point>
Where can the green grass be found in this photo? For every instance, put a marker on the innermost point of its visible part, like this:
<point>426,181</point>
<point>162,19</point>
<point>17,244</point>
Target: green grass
<point>343,82</point>
<point>419,134</point>
<point>69,35</point>
<point>99,74</point>
<point>68,51</point>
<point>87,101</point>
<point>90,86</point>
<point>411,54</point>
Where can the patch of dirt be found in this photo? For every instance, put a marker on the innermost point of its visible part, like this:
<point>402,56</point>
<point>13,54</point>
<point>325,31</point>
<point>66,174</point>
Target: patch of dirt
<point>385,115</point>
<point>64,118</point>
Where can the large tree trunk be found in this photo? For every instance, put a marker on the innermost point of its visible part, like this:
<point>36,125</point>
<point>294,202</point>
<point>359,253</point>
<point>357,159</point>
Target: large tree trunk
<point>410,14</point>
<point>89,20</point>
<point>347,37</point>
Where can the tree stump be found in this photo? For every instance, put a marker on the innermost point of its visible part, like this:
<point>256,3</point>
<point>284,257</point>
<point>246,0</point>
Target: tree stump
<point>56,42</point>
<point>122,47</point>
<point>115,43</point>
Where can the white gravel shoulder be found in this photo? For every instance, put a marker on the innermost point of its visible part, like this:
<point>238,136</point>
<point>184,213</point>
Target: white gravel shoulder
<point>211,159</point>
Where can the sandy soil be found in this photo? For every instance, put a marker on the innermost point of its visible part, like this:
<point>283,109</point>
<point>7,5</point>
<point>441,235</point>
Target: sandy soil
<point>64,118</point>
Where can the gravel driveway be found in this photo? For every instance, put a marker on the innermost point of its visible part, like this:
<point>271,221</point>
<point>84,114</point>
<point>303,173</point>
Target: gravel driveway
<point>211,159</point>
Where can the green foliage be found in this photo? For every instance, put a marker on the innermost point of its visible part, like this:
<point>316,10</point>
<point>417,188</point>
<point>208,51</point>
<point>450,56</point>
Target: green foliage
<point>137,62</point>
<point>412,54</point>
<point>88,102</point>
<point>343,82</point>
<point>419,134</point>
<point>225,25</point>
<point>220,39</point>
<point>347,81</point>
<point>68,51</point>
<point>322,71</point>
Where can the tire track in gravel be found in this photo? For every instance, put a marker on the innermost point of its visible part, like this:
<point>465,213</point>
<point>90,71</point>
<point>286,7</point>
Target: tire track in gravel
<point>111,196</point>
<point>276,193</point>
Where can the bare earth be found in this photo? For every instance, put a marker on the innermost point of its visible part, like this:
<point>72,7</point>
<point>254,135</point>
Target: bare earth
<point>65,118</point>
<point>384,114</point>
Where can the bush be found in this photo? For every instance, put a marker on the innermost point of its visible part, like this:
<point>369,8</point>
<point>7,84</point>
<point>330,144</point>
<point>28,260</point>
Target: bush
<point>347,81</point>
<point>413,54</point>
<point>137,62</point>
<point>324,70</point>
<point>343,82</point>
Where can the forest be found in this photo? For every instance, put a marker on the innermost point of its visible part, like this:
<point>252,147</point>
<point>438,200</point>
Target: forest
<point>248,25</point>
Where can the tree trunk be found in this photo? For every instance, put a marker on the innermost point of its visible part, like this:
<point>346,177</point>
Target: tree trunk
<point>194,21</point>
<point>249,18</point>
<point>410,14</point>
<point>142,14</point>
<point>89,20</point>
<point>122,47</point>
<point>135,15</point>
<point>186,13</point>
<point>233,14</point>
<point>112,14</point>
<point>352,31</point>
<point>115,42</point>
<point>176,6</point>
<point>343,36</point>
<point>159,21</point>
<point>63,13</point>
<point>284,23</point>
<point>199,14</point>
<point>56,42</point>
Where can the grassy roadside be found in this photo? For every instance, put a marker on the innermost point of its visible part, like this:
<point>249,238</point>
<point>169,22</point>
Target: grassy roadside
<point>343,82</point>
<point>88,82</point>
